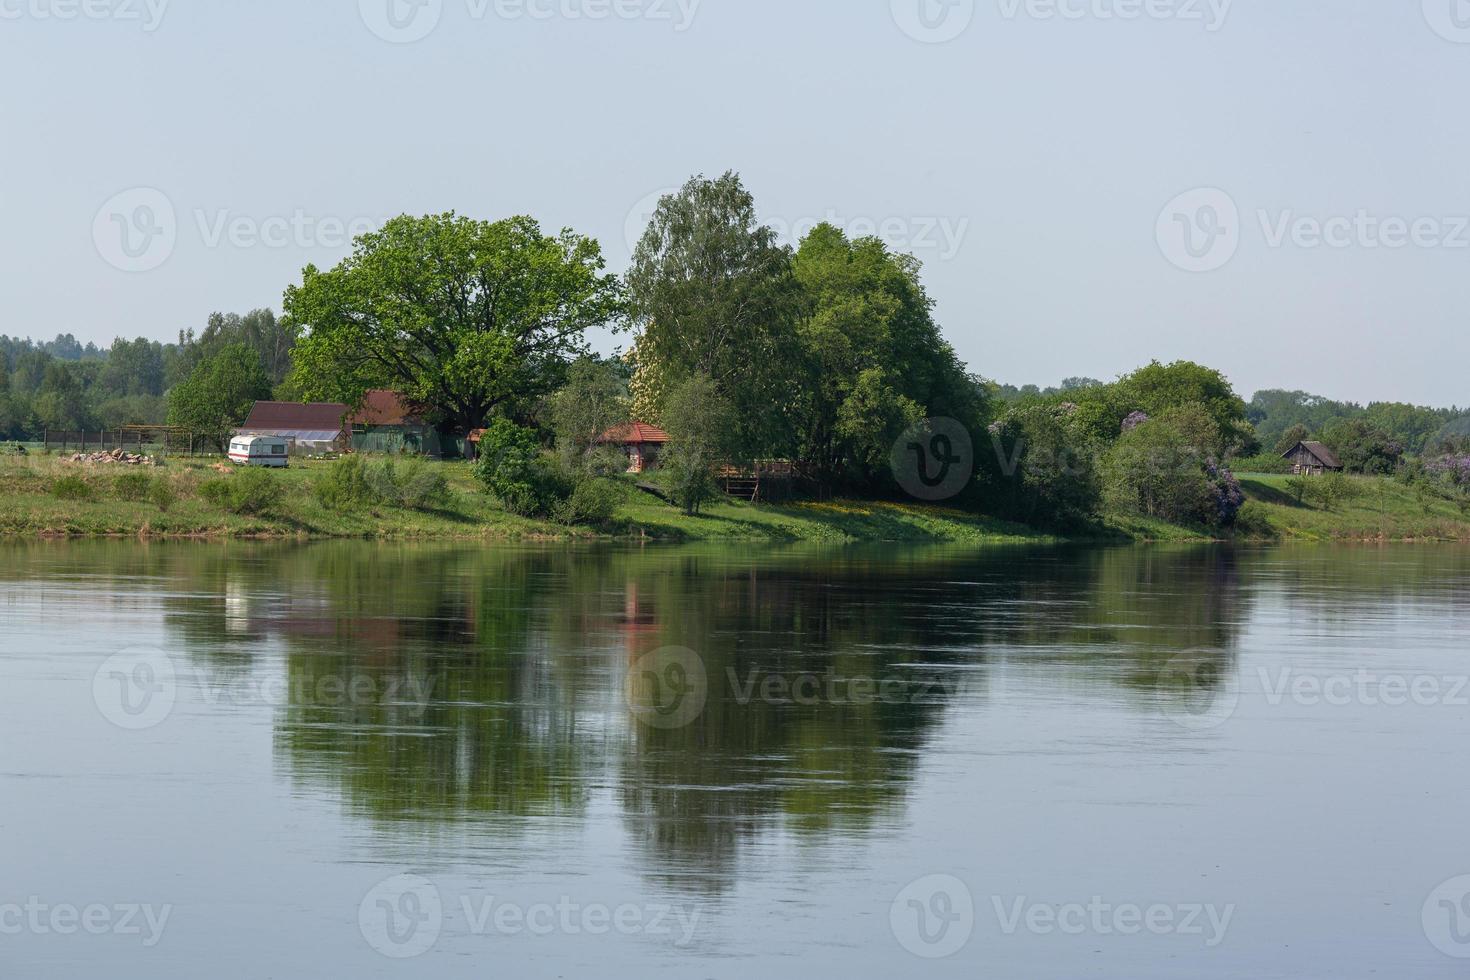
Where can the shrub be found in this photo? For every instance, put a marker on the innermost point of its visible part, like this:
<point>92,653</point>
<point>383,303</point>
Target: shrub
<point>1252,520</point>
<point>422,486</point>
<point>344,485</point>
<point>217,492</point>
<point>1331,490</point>
<point>132,487</point>
<point>161,494</point>
<point>592,503</point>
<point>71,487</point>
<point>251,492</point>
<point>516,473</point>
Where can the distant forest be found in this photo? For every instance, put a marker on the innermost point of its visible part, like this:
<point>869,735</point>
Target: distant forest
<point>1283,418</point>
<point>63,384</point>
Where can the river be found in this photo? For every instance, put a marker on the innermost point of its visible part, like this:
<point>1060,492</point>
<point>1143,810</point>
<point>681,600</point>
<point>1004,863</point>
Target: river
<point>368,760</point>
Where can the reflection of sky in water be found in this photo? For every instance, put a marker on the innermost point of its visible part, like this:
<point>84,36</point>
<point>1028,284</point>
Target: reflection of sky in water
<point>1060,723</point>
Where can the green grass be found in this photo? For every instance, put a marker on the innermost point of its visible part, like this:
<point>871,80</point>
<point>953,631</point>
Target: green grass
<point>1383,510</point>
<point>28,507</point>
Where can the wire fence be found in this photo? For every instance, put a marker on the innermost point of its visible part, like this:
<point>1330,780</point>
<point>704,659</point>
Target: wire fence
<point>135,439</point>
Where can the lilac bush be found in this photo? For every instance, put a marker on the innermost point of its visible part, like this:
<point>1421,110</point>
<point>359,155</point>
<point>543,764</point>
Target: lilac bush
<point>1226,491</point>
<point>1134,421</point>
<point>1456,468</point>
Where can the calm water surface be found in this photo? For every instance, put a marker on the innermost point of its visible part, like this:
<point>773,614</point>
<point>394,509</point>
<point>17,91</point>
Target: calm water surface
<point>379,761</point>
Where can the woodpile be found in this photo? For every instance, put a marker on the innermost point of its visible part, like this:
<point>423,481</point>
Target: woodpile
<point>115,457</point>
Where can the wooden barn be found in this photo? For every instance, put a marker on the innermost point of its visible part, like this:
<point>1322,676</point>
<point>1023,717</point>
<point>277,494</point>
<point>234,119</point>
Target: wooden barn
<point>1312,459</point>
<point>385,423</point>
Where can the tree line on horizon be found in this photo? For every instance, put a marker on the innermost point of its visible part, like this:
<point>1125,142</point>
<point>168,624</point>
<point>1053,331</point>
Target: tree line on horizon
<point>745,349</point>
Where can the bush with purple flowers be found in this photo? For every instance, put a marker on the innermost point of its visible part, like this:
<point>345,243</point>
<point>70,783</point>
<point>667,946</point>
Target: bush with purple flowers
<point>1134,421</point>
<point>1226,491</point>
<point>1456,469</point>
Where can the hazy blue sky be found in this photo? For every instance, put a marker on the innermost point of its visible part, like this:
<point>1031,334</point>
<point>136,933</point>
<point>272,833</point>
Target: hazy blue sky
<point>1032,154</point>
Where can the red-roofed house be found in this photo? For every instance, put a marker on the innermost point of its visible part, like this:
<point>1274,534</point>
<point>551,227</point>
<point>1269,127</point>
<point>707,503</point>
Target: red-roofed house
<point>642,442</point>
<point>309,427</point>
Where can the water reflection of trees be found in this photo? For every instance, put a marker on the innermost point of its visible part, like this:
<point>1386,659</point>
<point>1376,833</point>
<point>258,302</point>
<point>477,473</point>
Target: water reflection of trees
<point>523,653</point>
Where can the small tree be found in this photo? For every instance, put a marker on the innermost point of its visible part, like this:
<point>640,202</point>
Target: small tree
<point>700,425</point>
<point>219,393</point>
<point>593,400</point>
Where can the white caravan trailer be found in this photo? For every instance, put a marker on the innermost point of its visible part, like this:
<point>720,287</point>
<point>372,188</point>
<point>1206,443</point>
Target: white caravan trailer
<point>259,451</point>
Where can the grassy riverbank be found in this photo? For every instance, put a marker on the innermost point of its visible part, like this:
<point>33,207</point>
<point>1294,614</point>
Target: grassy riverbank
<point>30,506</point>
<point>90,504</point>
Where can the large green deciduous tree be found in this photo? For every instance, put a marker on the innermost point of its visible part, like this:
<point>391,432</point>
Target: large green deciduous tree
<point>872,356</point>
<point>712,293</point>
<point>460,316</point>
<point>219,393</point>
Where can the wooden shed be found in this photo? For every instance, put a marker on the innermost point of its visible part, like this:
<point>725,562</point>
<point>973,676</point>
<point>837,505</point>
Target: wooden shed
<point>1312,459</point>
<point>642,442</point>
